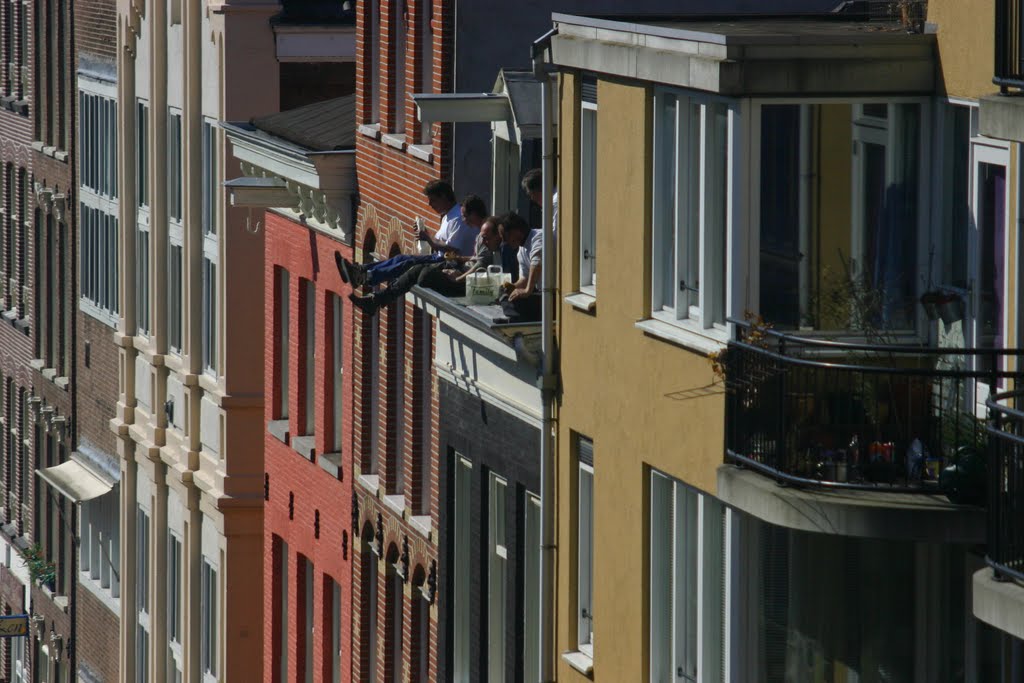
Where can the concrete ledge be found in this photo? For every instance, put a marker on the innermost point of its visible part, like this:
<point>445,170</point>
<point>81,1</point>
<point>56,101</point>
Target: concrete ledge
<point>278,429</point>
<point>999,603</point>
<point>864,514</point>
<point>305,446</point>
<point>330,463</point>
<point>1002,117</point>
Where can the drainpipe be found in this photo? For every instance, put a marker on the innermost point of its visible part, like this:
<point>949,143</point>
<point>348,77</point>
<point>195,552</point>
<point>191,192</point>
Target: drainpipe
<point>548,378</point>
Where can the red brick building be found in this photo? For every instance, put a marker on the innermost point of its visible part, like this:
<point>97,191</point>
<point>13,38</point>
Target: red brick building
<point>299,165</point>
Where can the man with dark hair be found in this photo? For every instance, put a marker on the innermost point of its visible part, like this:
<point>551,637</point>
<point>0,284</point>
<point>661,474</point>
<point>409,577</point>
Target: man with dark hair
<point>447,277</point>
<point>522,296</point>
<point>474,212</point>
<point>533,185</point>
<point>454,234</point>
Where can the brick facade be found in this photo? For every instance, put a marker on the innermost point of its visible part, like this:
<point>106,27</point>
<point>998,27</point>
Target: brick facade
<point>307,507</point>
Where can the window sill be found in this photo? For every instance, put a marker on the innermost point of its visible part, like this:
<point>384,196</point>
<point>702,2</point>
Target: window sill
<point>396,141</point>
<point>421,152</point>
<point>582,302</point>
<point>305,446</point>
<point>370,482</point>
<point>92,310</point>
<point>579,661</point>
<point>330,463</point>
<point>711,341</point>
<point>279,430</point>
<point>422,524</point>
<point>102,594</point>
<point>395,503</point>
<point>370,130</point>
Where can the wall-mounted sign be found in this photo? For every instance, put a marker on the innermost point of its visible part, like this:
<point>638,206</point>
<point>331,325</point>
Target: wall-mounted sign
<point>14,626</point>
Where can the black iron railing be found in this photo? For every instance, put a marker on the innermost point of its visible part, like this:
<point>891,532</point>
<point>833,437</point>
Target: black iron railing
<point>1009,62</point>
<point>812,412</point>
<point>1006,484</point>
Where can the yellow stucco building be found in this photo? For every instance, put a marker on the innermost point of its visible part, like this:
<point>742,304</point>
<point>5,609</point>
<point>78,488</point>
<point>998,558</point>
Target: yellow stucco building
<point>799,225</point>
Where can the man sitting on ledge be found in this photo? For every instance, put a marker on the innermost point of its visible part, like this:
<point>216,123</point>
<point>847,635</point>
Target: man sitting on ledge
<point>448,277</point>
<point>473,212</point>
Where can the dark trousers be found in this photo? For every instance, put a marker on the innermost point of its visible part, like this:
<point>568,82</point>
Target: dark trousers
<point>428,275</point>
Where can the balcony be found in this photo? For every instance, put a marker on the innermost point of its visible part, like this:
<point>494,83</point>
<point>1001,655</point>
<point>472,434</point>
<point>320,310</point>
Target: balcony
<point>1009,58</point>
<point>999,592</point>
<point>867,439</point>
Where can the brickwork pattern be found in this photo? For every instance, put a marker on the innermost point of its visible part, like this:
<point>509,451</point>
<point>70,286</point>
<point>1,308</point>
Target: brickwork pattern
<point>307,507</point>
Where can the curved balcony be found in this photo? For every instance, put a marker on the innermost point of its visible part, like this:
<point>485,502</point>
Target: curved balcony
<point>820,414</point>
<point>1006,485</point>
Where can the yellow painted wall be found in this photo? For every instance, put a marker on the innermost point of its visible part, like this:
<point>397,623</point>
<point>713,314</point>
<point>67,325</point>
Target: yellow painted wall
<point>621,387</point>
<point>966,46</point>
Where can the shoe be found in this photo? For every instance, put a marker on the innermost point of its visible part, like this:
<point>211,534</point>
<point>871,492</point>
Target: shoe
<point>366,304</point>
<point>356,273</point>
<point>339,261</point>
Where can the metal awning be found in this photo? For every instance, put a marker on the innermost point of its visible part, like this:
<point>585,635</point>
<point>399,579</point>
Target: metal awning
<point>75,481</point>
<point>462,107</point>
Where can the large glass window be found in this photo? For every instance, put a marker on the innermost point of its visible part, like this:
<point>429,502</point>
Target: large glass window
<point>531,589</point>
<point>839,186</point>
<point>691,170</point>
<point>209,623</point>
<point>588,196</point>
<point>337,369</point>
<point>308,293</point>
<point>282,306</point>
<point>686,590</point>
<point>174,609</point>
<point>461,603</point>
<point>142,594</point>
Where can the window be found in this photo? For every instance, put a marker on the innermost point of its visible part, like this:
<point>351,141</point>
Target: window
<point>397,35</point>
<point>394,618</point>
<point>368,613</point>
<point>691,144</point>
<point>585,548</point>
<point>588,189</point>
<point>307,613</point>
<point>334,593</point>
<point>373,369</point>
<point>99,549</point>
<point>23,225</point>
<point>282,305</point>
<point>175,235</point>
<point>174,178</point>
<point>687,586</point>
<point>531,589</point>
<point>424,324</point>
<point>142,594</point>
<point>142,261</point>
<point>174,298</point>
<point>283,615</point>
<point>7,234</point>
<point>372,58</point>
<point>308,291</point>
<point>337,370</point>
<point>98,261</point>
<point>839,217</point>
<point>497,580</point>
<point>425,49</point>
<point>211,246</point>
<point>174,609</point>
<point>97,130</point>
<point>462,538</point>
<point>396,394</point>
<point>209,625</point>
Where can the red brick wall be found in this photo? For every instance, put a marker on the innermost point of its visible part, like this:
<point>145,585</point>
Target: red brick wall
<point>300,491</point>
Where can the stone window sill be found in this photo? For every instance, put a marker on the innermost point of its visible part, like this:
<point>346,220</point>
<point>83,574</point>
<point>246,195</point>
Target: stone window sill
<point>370,130</point>
<point>421,152</point>
<point>279,430</point>
<point>370,482</point>
<point>396,141</point>
<point>305,446</point>
<point>579,661</point>
<point>582,302</point>
<point>330,463</point>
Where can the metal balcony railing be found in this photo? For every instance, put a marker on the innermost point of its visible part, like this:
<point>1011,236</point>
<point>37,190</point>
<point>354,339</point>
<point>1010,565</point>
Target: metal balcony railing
<point>1009,35</point>
<point>818,413</point>
<point>1006,484</point>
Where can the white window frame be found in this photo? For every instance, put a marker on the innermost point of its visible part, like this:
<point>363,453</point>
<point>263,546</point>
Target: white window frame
<point>99,548</point>
<point>531,587</point>
<point>690,533</point>
<point>497,576</point>
<point>588,198</point>
<point>694,309</point>
<point>143,236</point>
<point>585,560</point>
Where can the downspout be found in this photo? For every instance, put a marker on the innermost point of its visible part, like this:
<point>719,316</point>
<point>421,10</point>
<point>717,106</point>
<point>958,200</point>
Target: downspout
<point>548,377</point>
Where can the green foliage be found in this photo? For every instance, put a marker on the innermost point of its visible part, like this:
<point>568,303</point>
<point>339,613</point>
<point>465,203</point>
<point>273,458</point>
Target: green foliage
<point>40,570</point>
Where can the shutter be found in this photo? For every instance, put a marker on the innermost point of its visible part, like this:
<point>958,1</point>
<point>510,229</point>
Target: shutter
<point>585,451</point>
<point>588,90</point>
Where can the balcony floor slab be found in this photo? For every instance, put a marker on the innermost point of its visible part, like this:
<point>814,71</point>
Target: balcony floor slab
<point>864,514</point>
<point>1002,117</point>
<point>999,603</point>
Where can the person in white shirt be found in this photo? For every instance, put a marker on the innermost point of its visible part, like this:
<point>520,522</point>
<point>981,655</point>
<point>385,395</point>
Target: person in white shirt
<point>515,232</point>
<point>454,234</point>
<point>532,184</point>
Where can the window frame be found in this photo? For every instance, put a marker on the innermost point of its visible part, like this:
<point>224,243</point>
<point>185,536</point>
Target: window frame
<point>497,576</point>
<point>211,203</point>
<point>209,620</point>
<point>588,198</point>
<point>175,234</point>
<point>143,234</point>
<point>705,308</point>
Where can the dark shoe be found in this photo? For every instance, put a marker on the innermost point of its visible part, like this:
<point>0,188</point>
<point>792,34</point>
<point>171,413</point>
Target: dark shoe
<point>366,304</point>
<point>339,261</point>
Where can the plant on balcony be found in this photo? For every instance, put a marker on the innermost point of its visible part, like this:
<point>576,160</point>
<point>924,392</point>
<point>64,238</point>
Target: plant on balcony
<point>40,570</point>
<point>911,14</point>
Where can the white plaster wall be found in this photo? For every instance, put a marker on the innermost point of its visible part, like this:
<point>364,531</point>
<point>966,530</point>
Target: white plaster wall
<point>211,68</point>
<point>175,65</point>
<point>144,493</point>
<point>142,62</point>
